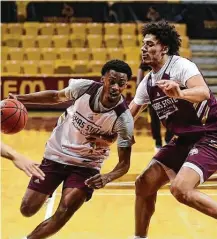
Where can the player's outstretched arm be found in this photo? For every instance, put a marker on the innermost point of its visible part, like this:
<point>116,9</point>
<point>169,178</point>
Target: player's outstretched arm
<point>21,162</point>
<point>41,97</point>
<point>122,167</point>
<point>135,109</point>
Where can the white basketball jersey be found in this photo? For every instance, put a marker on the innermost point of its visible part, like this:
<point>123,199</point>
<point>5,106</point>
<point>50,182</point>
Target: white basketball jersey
<point>68,143</point>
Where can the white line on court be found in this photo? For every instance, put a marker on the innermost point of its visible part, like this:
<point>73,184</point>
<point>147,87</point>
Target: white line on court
<point>132,194</point>
<point>50,206</point>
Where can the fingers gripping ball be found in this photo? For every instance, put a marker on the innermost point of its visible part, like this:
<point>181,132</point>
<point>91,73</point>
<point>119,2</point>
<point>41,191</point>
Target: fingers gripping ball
<point>14,116</point>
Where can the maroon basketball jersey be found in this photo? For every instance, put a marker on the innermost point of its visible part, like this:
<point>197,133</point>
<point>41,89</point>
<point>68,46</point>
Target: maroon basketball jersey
<point>180,116</point>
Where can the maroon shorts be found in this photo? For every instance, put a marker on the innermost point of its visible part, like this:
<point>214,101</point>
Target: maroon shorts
<point>56,173</point>
<point>200,151</point>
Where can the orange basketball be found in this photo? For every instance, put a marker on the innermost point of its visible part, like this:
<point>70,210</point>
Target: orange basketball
<point>13,116</point>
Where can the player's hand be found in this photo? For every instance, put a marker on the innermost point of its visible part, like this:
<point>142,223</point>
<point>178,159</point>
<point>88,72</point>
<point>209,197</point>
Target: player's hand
<point>98,181</point>
<point>102,140</point>
<point>170,88</point>
<point>28,166</point>
<point>12,96</point>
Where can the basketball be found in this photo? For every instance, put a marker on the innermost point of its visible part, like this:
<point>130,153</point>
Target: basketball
<point>13,116</point>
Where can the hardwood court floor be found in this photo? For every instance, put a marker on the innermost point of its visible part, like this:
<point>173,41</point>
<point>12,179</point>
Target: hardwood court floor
<point>110,213</point>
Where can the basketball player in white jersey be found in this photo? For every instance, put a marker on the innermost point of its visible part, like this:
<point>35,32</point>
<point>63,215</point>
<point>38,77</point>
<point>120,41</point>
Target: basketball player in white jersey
<point>185,105</point>
<point>75,151</point>
<point>29,167</point>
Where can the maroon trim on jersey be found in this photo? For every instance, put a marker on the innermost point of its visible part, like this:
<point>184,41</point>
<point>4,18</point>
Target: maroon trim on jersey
<point>92,90</point>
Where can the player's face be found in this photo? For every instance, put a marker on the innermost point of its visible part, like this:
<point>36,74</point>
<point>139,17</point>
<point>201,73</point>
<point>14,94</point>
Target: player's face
<point>152,50</point>
<point>114,84</point>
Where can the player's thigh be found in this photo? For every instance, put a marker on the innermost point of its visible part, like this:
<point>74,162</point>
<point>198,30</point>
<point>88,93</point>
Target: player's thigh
<point>202,158</point>
<point>33,199</point>
<point>186,179</point>
<point>173,155</point>
<point>38,190</point>
<point>151,179</point>
<point>164,166</point>
<point>54,172</point>
<point>71,200</point>
<point>77,177</point>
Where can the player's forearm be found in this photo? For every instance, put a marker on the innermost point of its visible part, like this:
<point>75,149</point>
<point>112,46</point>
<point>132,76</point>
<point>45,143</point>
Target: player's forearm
<point>135,109</point>
<point>42,97</point>
<point>123,165</point>
<point>196,94</point>
<point>119,170</point>
<point>8,152</point>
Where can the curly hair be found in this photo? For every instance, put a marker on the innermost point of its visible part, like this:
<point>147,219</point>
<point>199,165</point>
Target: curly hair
<point>165,33</point>
<point>117,65</point>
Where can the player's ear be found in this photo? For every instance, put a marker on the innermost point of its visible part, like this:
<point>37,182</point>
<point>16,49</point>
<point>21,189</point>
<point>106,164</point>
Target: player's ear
<point>165,49</point>
<point>102,79</point>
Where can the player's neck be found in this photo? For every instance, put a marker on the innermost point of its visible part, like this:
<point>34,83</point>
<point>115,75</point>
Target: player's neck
<point>106,103</point>
<point>156,67</point>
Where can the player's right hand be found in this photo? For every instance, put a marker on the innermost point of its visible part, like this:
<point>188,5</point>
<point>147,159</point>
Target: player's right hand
<point>170,88</point>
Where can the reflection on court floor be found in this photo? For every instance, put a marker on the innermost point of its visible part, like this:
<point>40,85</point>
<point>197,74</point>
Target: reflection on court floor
<point>110,213</point>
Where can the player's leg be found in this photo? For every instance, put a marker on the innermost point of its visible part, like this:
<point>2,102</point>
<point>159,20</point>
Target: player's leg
<point>32,202</point>
<point>74,194</point>
<point>38,191</point>
<point>183,189</point>
<point>163,168</point>
<point>147,185</point>
<point>71,201</point>
<point>201,163</point>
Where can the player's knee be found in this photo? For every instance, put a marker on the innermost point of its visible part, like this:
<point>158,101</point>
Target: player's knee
<point>64,213</point>
<point>68,207</point>
<point>27,210</point>
<point>143,186</point>
<point>182,195</point>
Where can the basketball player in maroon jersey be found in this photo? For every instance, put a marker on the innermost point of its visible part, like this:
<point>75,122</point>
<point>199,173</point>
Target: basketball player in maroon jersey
<point>29,167</point>
<point>185,105</point>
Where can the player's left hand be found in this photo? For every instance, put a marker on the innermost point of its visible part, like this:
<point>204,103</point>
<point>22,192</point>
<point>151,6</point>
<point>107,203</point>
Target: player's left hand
<point>30,167</point>
<point>102,140</point>
<point>97,181</point>
<point>12,96</point>
<point>170,88</point>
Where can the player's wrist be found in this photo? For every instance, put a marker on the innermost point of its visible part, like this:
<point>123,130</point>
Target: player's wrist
<point>12,156</point>
<point>108,179</point>
<point>181,95</point>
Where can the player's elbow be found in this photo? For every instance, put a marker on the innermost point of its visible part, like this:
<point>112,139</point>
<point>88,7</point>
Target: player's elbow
<point>203,94</point>
<point>126,167</point>
<point>206,93</point>
<point>56,97</point>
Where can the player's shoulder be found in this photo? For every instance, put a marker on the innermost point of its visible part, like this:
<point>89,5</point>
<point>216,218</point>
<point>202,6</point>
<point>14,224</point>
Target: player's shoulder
<point>74,82</point>
<point>144,80</point>
<point>126,117</point>
<point>77,87</point>
<point>182,62</point>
